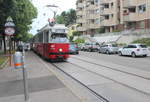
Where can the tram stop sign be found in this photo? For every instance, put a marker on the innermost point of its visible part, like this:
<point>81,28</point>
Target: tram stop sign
<point>9,31</point>
<point>9,26</point>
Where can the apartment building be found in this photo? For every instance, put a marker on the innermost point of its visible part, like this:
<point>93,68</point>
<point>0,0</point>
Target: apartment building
<point>136,14</point>
<point>80,12</point>
<point>88,16</point>
<point>112,15</point>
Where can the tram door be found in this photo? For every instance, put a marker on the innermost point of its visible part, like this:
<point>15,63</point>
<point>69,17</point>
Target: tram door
<point>46,43</point>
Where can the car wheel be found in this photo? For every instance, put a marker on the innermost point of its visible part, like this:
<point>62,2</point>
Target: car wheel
<point>107,52</point>
<point>119,53</point>
<point>144,55</point>
<point>133,54</point>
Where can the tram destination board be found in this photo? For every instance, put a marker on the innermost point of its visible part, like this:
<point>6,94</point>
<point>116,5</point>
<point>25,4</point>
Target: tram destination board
<point>60,31</point>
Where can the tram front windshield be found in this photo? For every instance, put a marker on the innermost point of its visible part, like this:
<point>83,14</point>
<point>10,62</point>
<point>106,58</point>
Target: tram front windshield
<point>59,38</point>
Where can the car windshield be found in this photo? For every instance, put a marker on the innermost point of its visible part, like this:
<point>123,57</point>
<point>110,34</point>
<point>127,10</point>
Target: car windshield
<point>142,46</point>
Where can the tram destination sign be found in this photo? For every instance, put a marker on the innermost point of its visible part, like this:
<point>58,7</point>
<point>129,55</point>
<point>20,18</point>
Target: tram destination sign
<point>59,30</point>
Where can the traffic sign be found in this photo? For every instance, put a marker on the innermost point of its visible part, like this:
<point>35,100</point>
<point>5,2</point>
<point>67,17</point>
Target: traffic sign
<point>9,24</point>
<point>9,31</point>
<point>9,19</point>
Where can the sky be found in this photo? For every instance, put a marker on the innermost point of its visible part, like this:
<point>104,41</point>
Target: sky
<point>44,12</point>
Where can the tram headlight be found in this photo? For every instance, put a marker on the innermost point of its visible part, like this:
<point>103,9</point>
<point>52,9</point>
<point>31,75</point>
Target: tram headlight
<point>60,50</point>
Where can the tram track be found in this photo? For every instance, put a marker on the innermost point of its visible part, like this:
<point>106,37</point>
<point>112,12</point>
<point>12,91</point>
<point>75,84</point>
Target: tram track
<point>133,74</point>
<point>100,97</point>
<point>110,79</point>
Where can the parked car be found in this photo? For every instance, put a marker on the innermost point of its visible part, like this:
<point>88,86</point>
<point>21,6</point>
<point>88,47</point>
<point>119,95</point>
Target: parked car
<point>134,50</point>
<point>108,49</point>
<point>91,47</point>
<point>73,49</point>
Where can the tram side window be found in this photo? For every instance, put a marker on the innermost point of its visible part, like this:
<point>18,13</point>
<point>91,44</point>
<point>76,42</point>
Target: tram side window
<point>46,37</point>
<point>40,37</point>
<point>59,38</point>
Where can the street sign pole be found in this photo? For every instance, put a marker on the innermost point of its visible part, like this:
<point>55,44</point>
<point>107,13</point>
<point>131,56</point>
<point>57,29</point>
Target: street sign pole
<point>9,31</point>
<point>26,92</point>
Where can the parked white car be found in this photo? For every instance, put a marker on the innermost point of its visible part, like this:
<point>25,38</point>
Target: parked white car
<point>134,50</point>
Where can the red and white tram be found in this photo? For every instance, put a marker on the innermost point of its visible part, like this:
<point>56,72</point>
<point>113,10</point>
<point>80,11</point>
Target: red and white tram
<point>52,42</point>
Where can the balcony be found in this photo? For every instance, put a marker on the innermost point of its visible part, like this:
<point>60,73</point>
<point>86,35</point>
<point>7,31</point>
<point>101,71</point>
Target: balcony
<point>134,17</point>
<point>93,26</point>
<point>81,29</point>
<point>106,1</point>
<point>92,7</point>
<point>80,20</point>
<point>110,22</point>
<point>80,12</point>
<point>132,3</point>
<point>106,11</point>
<point>92,16</point>
<point>80,5</point>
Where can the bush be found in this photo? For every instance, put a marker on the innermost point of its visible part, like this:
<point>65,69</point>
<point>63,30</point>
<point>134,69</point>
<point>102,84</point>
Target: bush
<point>145,41</point>
<point>121,44</point>
<point>79,40</point>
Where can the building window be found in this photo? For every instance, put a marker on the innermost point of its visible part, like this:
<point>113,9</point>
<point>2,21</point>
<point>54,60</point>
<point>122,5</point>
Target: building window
<point>142,8</point>
<point>112,15</point>
<point>97,21</point>
<point>107,17</point>
<point>112,4</point>
<point>96,1</point>
<point>97,11</point>
<point>132,10</point>
<point>106,6</point>
<point>142,24</point>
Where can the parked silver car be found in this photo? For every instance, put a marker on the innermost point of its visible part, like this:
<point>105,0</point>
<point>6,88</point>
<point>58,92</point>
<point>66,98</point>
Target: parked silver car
<point>108,49</point>
<point>91,47</point>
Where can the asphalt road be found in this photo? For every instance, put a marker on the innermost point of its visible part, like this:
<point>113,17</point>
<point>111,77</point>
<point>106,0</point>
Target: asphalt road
<point>142,63</point>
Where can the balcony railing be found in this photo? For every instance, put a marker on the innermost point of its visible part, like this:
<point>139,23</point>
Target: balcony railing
<point>81,29</point>
<point>106,11</point>
<point>131,3</point>
<point>135,17</point>
<point>80,12</point>
<point>80,5</point>
<point>105,1</point>
<point>110,22</point>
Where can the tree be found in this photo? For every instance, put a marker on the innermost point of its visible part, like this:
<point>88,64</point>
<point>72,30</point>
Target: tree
<point>76,33</point>
<point>22,12</point>
<point>67,17</point>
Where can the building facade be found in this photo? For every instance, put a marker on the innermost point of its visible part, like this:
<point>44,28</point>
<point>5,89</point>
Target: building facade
<point>112,15</point>
<point>88,16</point>
<point>136,14</point>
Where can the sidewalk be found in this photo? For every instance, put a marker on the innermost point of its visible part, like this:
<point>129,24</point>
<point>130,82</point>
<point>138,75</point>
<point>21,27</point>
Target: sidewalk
<point>43,85</point>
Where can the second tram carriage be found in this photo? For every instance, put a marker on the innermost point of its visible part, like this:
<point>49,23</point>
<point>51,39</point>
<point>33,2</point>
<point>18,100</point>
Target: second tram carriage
<point>52,42</point>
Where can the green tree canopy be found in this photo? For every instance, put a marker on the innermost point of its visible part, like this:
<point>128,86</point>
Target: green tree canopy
<point>22,12</point>
<point>67,17</point>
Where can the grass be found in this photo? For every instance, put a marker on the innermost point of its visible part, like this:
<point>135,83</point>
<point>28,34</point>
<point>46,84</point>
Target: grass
<point>145,41</point>
<point>2,58</point>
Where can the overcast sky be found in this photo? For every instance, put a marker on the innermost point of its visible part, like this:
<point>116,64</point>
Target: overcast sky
<point>44,13</point>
